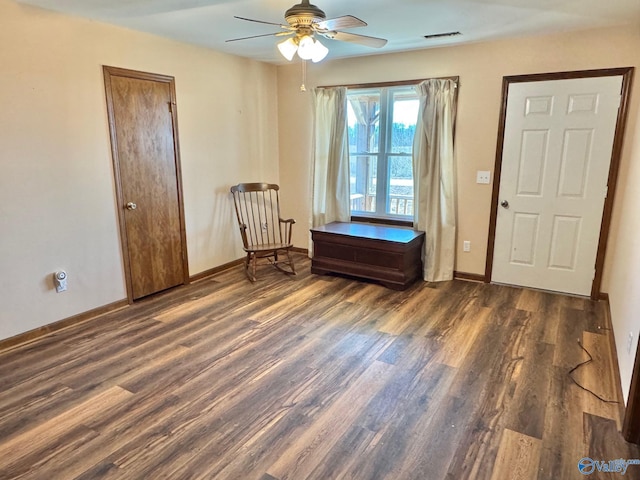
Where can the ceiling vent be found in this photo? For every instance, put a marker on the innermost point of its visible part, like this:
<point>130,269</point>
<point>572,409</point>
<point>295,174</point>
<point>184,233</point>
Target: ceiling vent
<point>442,35</point>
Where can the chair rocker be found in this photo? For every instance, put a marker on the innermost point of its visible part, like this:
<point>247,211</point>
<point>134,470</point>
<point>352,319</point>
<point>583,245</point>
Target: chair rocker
<point>264,234</point>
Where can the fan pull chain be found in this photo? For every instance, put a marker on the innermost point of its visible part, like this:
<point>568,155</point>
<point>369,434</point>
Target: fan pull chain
<point>303,88</point>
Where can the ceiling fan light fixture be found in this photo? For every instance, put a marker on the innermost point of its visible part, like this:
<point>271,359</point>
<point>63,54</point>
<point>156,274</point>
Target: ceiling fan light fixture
<point>288,48</point>
<point>306,47</point>
<point>305,22</point>
<point>320,52</point>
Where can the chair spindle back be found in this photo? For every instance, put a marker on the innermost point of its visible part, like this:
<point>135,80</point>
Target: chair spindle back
<point>258,210</point>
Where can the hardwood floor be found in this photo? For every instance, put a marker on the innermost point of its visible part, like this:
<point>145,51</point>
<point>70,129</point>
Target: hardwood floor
<point>312,377</point>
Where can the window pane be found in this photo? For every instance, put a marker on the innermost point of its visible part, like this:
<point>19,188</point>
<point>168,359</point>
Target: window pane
<point>382,124</point>
<point>405,114</point>
<point>363,109</point>
<point>400,198</point>
<point>364,172</point>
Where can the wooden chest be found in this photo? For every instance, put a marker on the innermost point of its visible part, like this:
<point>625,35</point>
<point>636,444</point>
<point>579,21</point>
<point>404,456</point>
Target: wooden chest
<point>390,255</point>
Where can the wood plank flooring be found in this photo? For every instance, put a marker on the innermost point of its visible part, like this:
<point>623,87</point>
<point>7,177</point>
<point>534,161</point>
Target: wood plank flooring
<point>311,377</point>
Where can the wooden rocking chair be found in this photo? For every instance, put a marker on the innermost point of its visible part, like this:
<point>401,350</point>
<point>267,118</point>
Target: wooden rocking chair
<point>264,233</point>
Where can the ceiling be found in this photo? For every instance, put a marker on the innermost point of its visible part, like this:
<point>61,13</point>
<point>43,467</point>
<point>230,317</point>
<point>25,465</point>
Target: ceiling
<point>404,23</point>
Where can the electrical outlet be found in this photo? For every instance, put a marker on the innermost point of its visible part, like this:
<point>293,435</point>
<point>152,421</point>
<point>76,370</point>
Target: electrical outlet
<point>483,176</point>
<point>60,281</point>
<point>630,343</point>
<point>466,246</point>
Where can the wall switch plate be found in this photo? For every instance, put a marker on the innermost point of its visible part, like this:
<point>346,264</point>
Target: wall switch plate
<point>630,343</point>
<point>483,176</point>
<point>466,246</point>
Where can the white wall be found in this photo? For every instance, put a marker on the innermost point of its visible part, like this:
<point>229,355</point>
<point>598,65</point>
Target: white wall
<point>57,201</point>
<point>623,274</point>
<point>481,68</point>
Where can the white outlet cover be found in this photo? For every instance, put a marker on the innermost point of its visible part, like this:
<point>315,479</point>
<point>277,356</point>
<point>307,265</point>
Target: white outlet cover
<point>483,177</point>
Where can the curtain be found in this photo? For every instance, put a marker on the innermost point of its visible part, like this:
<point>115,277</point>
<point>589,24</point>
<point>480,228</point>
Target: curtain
<point>434,177</point>
<point>330,165</point>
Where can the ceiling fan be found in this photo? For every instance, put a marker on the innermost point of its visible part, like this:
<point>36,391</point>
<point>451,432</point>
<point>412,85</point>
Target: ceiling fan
<point>306,21</point>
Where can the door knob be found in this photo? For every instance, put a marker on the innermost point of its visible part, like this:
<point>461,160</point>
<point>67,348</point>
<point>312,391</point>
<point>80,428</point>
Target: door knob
<point>504,204</point>
<point>131,206</point>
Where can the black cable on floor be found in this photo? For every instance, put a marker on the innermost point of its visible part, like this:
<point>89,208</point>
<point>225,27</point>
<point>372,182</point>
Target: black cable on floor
<point>582,365</point>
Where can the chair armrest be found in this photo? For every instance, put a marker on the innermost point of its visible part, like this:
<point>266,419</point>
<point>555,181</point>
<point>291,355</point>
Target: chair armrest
<point>288,227</point>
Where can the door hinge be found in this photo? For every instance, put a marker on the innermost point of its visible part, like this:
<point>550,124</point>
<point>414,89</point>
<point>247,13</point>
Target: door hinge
<point>593,277</point>
<point>619,101</point>
<point>606,191</point>
<point>171,106</point>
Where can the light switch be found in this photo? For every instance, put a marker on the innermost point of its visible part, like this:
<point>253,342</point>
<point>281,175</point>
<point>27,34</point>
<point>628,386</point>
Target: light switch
<point>483,176</point>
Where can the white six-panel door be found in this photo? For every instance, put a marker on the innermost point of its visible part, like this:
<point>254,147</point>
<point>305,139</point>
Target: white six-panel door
<point>557,149</point>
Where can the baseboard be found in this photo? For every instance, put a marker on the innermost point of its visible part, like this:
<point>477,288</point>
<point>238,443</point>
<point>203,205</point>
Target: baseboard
<point>81,317</point>
<point>234,263</point>
<point>59,325</point>
<point>473,277</point>
<point>612,345</point>
<point>216,270</point>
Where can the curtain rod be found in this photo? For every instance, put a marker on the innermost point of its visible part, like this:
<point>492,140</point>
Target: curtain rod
<point>392,84</point>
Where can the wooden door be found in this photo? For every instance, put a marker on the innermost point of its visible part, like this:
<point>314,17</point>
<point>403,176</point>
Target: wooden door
<point>143,127</point>
<point>558,142</point>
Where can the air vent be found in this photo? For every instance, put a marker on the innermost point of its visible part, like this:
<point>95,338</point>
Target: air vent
<point>442,35</point>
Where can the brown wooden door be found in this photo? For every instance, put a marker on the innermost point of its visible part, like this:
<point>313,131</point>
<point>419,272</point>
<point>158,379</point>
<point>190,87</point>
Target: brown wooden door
<point>144,144</point>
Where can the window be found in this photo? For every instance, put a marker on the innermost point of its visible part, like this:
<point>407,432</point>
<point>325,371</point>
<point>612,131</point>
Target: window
<point>382,123</point>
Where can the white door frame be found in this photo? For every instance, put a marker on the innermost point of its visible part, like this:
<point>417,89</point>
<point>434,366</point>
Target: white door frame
<point>626,73</point>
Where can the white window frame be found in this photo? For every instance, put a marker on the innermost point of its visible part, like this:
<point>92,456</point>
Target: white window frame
<point>383,156</point>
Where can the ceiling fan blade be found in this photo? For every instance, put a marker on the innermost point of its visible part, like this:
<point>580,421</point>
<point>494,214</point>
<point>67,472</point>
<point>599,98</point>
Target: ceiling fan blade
<point>340,23</point>
<point>257,36</point>
<point>261,21</point>
<point>359,39</point>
